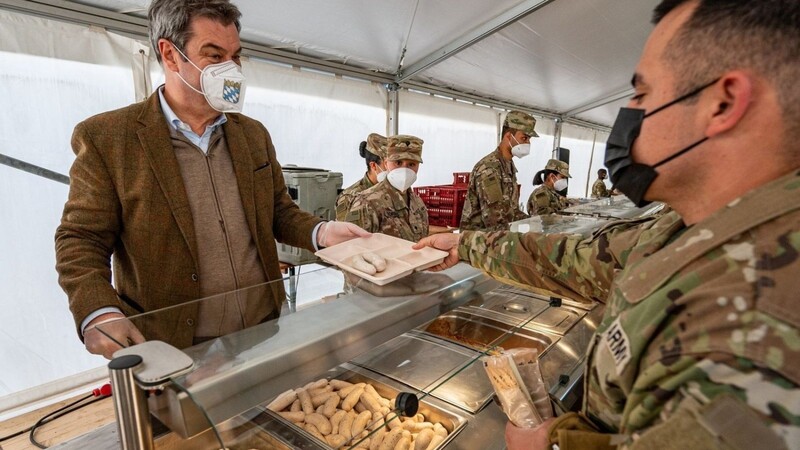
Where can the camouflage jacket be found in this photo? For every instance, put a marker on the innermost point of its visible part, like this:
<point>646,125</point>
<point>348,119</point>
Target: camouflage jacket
<point>493,196</point>
<point>545,200</point>
<point>384,209</point>
<point>694,316</point>
<point>599,189</point>
<point>345,199</point>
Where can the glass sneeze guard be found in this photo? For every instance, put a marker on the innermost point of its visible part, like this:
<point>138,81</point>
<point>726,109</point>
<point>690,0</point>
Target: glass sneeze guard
<point>256,358</point>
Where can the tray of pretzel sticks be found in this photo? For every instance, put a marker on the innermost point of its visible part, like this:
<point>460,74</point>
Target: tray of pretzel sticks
<point>381,258</point>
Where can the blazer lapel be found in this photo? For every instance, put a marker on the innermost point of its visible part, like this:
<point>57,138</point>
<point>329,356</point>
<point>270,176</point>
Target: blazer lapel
<point>243,167</point>
<point>157,144</point>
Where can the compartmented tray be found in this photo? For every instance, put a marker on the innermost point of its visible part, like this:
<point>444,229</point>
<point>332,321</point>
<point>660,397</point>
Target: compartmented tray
<point>432,409</point>
<point>401,259</point>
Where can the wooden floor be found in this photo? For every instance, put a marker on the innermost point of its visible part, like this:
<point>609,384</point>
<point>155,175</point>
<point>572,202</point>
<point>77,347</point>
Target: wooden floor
<point>60,430</point>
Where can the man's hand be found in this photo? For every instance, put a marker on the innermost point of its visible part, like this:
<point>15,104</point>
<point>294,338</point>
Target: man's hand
<point>528,438</point>
<point>444,241</point>
<point>109,332</point>
<point>332,233</point>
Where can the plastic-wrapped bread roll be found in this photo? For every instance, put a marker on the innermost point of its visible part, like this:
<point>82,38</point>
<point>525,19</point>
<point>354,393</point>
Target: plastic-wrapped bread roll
<point>378,262</point>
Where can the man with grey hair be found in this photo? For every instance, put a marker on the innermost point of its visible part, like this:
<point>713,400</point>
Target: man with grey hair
<point>186,194</point>
<point>699,346</point>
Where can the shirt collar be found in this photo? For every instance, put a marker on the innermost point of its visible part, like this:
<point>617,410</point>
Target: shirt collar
<point>178,124</point>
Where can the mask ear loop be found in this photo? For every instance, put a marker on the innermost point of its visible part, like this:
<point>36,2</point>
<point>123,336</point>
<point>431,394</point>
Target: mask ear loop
<point>193,64</point>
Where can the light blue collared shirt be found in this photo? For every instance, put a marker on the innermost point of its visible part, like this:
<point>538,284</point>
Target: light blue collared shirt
<point>186,130</point>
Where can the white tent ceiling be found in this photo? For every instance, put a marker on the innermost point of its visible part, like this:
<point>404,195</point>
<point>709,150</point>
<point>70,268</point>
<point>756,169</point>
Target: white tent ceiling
<point>567,58</point>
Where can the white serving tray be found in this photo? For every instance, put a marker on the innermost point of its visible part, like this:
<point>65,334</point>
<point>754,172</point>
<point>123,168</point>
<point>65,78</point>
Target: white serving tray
<point>401,259</point>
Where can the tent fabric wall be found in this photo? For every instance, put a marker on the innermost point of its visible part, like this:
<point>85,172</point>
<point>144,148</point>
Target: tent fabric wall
<point>54,74</point>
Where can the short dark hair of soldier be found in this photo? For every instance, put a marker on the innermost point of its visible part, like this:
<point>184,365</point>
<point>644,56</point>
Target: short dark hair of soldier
<point>725,35</point>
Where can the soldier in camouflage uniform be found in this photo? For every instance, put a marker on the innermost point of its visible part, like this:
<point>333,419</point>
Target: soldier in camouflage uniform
<point>599,189</point>
<point>492,201</point>
<point>699,346</point>
<point>391,207</point>
<point>373,151</point>
<point>546,199</point>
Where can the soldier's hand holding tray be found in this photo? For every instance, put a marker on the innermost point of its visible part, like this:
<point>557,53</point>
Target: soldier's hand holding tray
<point>445,241</point>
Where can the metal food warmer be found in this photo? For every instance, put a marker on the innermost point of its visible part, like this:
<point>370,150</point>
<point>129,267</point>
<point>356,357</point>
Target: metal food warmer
<point>615,207</point>
<point>419,339</point>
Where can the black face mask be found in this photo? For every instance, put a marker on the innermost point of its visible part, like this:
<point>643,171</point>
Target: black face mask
<point>632,178</point>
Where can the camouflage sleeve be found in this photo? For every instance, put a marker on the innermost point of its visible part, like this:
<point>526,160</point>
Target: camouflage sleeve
<point>362,215</point>
<point>490,200</point>
<point>716,398</point>
<point>565,264</point>
<point>540,203</point>
<point>343,206</point>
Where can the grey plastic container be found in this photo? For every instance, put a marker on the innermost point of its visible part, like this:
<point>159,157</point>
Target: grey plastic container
<point>314,191</point>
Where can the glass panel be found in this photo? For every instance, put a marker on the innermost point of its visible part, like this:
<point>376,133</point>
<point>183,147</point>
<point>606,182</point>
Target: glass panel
<point>346,354</point>
<point>254,360</point>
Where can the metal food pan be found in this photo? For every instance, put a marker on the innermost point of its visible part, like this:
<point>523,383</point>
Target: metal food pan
<point>447,371</point>
<point>481,333</point>
<point>433,410</point>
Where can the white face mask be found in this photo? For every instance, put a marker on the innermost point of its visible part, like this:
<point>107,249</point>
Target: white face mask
<point>222,85</point>
<point>381,175</point>
<point>520,150</point>
<point>560,184</point>
<point>402,178</point>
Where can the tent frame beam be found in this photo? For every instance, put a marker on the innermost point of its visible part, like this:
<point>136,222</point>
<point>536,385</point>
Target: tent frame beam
<point>473,36</point>
<point>136,28</point>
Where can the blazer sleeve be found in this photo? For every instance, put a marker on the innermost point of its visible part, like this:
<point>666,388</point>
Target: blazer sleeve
<point>89,228</point>
<point>290,224</point>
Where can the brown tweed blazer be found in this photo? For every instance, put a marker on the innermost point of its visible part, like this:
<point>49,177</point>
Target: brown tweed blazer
<point>127,198</point>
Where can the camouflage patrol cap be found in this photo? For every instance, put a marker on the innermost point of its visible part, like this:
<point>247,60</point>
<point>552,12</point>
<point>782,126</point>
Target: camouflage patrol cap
<point>376,144</point>
<point>403,146</point>
<point>521,121</point>
<point>558,166</point>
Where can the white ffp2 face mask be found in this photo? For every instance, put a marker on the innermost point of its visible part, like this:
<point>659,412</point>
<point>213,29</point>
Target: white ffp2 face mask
<point>520,150</point>
<point>402,178</point>
<point>222,85</point>
<point>381,176</point>
<point>560,184</point>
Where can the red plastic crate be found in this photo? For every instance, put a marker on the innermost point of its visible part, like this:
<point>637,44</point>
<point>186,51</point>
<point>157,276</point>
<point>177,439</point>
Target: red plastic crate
<point>460,178</point>
<point>445,203</point>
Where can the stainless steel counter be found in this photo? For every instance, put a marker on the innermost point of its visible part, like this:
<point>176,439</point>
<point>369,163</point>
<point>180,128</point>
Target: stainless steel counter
<point>423,335</point>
